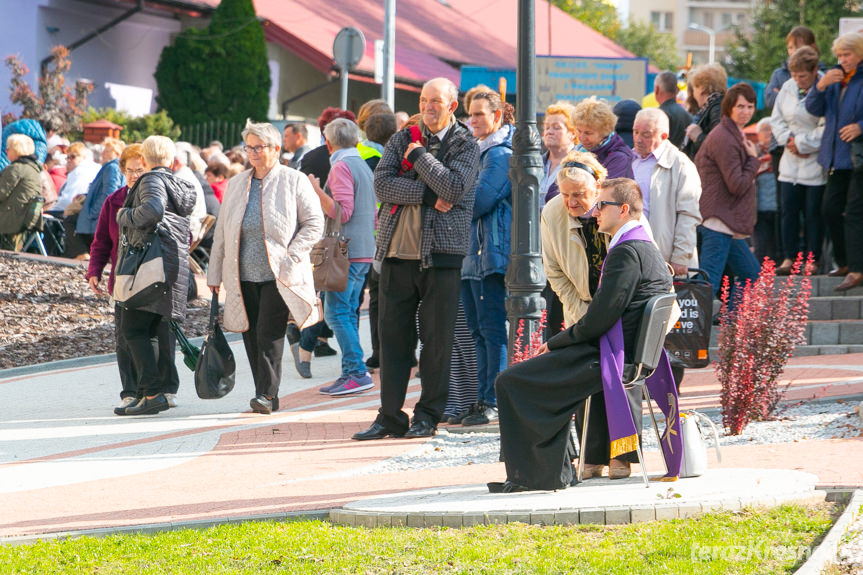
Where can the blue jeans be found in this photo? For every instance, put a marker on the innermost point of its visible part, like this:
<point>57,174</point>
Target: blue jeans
<point>797,198</point>
<point>719,250</point>
<point>340,313</point>
<point>484,309</point>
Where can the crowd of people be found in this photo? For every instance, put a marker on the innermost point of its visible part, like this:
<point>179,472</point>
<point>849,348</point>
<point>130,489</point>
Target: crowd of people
<point>426,205</point>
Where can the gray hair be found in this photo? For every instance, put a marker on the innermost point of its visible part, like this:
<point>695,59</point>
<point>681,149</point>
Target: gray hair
<point>342,133</point>
<point>265,131</point>
<point>667,83</point>
<point>764,122</point>
<point>656,117</point>
<point>451,89</point>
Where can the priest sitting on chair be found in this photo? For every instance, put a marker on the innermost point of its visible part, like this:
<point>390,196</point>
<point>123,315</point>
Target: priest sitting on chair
<point>537,398</point>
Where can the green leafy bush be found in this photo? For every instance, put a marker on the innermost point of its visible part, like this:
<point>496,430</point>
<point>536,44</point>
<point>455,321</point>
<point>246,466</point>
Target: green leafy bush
<point>134,129</point>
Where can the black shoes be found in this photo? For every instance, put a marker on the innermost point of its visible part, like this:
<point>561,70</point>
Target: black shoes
<point>373,362</point>
<point>323,349</point>
<point>293,333</point>
<point>420,428</point>
<point>147,406</point>
<point>375,431</point>
<point>260,404</point>
<point>506,487</point>
<point>483,414</point>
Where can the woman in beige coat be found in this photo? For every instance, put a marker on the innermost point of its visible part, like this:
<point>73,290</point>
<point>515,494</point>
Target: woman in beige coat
<point>269,221</point>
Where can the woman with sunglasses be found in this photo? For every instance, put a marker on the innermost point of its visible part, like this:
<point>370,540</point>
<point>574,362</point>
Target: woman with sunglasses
<point>269,221</point>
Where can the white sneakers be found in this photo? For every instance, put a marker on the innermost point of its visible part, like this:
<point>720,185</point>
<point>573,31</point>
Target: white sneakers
<point>172,399</point>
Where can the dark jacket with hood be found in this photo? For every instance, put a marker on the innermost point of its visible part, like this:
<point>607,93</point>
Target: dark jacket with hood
<point>615,156</point>
<point>160,201</point>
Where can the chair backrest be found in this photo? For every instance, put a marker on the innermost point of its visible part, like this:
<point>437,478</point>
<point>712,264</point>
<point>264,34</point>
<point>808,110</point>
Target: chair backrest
<point>206,224</point>
<point>651,333</point>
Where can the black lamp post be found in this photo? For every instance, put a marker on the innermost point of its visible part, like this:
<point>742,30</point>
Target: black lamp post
<point>525,278</point>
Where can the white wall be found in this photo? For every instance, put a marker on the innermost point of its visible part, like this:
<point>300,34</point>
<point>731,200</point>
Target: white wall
<point>126,54</point>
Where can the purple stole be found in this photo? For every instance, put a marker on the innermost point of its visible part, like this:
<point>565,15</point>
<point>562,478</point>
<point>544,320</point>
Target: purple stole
<point>621,427</point>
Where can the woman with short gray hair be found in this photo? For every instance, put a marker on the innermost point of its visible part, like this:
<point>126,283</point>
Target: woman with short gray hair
<point>269,221</point>
<point>349,195</point>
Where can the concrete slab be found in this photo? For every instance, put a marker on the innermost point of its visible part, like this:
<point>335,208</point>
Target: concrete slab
<point>600,501</point>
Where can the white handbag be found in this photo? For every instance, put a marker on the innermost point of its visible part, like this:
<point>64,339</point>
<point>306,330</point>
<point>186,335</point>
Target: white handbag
<point>694,461</point>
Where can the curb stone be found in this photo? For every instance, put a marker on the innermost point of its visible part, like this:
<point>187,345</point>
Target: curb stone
<point>825,554</point>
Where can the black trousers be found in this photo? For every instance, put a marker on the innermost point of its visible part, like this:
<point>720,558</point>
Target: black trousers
<point>372,281</point>
<point>843,217</point>
<point>553,313</point>
<point>597,449</point>
<point>536,400</point>
<point>140,330</point>
<point>265,338</point>
<point>836,217</point>
<point>402,287</point>
<point>165,345</point>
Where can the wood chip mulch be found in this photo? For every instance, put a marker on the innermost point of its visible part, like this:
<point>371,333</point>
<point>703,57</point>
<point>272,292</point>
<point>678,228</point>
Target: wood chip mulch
<point>47,313</point>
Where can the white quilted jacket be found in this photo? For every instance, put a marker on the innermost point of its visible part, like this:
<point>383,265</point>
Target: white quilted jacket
<point>293,223</point>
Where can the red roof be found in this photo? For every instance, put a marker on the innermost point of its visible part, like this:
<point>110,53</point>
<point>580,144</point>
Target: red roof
<point>433,37</point>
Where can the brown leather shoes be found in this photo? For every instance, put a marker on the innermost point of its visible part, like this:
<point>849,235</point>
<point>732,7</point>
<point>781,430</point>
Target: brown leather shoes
<point>618,469</point>
<point>852,280</point>
<point>592,470</point>
<point>840,271</point>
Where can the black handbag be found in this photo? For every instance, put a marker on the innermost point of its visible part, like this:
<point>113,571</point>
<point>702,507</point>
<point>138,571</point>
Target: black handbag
<point>139,277</point>
<point>216,368</point>
<point>329,257</point>
<point>688,341</point>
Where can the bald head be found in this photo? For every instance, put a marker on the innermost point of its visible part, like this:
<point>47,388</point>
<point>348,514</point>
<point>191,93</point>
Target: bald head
<point>649,130</point>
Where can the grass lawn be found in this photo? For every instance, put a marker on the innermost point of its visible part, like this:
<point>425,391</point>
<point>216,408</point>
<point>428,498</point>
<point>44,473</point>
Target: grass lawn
<point>761,541</point>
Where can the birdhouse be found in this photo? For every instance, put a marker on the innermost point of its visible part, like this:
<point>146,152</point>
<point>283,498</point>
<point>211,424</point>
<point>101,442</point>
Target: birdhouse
<point>96,132</point>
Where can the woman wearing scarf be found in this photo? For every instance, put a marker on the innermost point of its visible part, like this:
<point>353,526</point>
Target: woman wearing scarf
<point>595,122</point>
<point>838,96</point>
<point>708,84</point>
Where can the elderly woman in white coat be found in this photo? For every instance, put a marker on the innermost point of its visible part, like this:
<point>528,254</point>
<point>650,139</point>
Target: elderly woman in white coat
<point>269,221</point>
<point>801,178</point>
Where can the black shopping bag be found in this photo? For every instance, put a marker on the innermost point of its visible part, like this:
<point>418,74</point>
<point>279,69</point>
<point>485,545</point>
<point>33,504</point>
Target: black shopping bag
<point>215,370</point>
<point>688,341</point>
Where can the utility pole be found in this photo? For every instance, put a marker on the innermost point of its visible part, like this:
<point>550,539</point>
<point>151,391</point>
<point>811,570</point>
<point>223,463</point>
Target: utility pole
<point>525,278</point>
<point>388,91</point>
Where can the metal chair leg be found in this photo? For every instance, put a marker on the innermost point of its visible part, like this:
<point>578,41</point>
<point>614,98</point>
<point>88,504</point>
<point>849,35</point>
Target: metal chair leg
<point>647,398</point>
<point>643,467</point>
<point>583,447</point>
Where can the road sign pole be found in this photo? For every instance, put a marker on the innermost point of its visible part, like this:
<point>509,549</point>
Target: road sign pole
<point>344,100</point>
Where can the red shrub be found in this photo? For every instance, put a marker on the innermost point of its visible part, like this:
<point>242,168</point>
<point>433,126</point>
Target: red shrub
<point>756,338</point>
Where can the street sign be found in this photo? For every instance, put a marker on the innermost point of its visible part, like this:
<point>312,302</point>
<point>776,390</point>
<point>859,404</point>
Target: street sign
<point>349,47</point>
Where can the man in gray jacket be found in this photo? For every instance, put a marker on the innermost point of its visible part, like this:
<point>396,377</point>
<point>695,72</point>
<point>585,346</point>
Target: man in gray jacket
<point>425,183</point>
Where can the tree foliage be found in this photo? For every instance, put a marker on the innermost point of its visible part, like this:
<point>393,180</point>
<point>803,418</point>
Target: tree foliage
<point>758,49</point>
<point>56,104</point>
<point>219,72</point>
<point>135,129</point>
<point>640,38</point>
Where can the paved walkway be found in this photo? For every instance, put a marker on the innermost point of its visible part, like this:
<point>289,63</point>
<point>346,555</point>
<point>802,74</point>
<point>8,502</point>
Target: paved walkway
<point>67,463</point>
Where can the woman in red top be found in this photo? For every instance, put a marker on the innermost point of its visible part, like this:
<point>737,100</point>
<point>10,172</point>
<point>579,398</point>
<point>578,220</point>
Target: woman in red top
<point>217,176</point>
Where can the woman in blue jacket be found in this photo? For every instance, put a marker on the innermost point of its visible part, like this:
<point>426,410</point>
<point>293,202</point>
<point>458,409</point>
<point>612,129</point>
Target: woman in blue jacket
<point>483,289</point>
<point>838,96</point>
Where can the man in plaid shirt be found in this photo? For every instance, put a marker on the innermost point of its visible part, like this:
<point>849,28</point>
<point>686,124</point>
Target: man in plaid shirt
<point>425,183</point>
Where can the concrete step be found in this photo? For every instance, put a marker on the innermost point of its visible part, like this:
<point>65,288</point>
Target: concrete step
<point>823,286</point>
<point>809,350</point>
<point>835,307</point>
<point>822,332</point>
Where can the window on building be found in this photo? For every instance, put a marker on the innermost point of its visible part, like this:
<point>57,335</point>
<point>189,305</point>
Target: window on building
<point>726,19</point>
<point>708,19</point>
<point>662,21</point>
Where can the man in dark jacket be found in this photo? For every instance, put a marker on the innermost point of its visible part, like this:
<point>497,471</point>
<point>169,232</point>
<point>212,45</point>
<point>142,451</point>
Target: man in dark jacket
<point>426,190</point>
<point>665,90</point>
<point>536,398</point>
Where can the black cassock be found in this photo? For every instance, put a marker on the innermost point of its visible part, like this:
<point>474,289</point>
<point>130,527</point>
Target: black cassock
<point>537,398</point>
